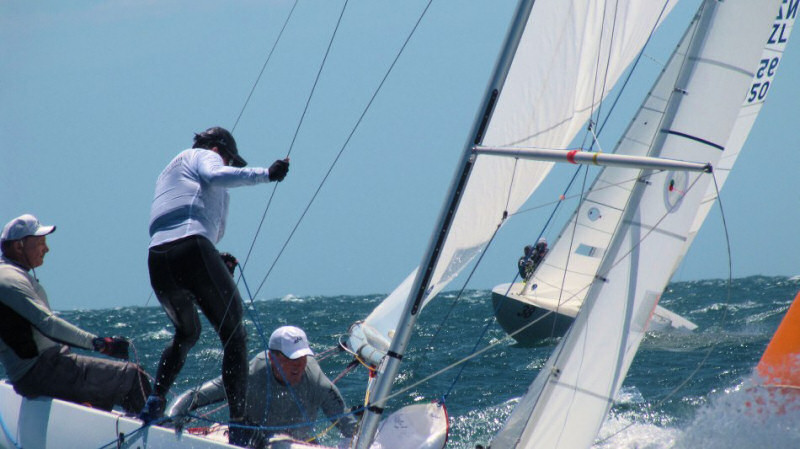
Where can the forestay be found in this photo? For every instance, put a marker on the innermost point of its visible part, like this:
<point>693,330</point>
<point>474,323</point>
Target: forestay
<point>568,401</point>
<point>569,56</point>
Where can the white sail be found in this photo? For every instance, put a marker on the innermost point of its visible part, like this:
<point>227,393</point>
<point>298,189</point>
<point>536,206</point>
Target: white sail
<point>570,54</point>
<point>568,401</point>
<point>753,102</point>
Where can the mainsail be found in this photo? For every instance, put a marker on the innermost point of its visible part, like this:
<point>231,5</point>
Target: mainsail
<point>712,104</point>
<point>569,55</point>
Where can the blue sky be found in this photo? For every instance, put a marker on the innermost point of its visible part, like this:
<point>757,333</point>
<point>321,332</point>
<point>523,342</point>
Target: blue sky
<point>98,96</point>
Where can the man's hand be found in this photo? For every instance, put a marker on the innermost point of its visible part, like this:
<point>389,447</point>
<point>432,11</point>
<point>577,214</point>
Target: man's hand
<point>278,170</point>
<point>116,347</point>
<point>230,261</point>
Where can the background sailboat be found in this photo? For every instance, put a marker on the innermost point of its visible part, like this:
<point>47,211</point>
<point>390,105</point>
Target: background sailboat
<point>562,280</point>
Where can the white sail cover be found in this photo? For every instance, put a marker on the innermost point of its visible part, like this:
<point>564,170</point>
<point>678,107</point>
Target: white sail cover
<point>570,55</point>
<point>568,401</point>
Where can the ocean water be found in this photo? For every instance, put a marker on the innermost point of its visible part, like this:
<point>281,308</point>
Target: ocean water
<point>684,390</point>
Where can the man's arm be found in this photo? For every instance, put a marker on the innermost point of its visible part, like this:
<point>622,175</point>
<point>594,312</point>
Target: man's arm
<point>20,297</point>
<point>210,392</point>
<point>212,170</point>
<point>333,404</point>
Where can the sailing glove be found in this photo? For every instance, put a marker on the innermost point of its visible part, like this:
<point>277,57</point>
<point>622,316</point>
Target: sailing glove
<point>278,170</point>
<point>116,347</point>
<point>230,261</point>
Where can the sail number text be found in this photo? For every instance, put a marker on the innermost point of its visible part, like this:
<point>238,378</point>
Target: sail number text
<point>776,42</point>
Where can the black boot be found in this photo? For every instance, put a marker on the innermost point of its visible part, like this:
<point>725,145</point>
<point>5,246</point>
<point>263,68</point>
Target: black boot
<point>239,434</point>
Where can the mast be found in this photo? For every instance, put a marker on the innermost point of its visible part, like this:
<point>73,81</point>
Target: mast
<point>391,364</point>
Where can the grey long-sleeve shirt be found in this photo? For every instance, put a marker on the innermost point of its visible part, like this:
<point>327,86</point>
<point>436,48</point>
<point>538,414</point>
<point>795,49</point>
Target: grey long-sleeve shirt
<point>271,404</point>
<point>27,325</point>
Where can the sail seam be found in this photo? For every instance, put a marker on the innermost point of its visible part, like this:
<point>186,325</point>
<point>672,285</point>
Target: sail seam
<point>583,391</point>
<point>655,229</point>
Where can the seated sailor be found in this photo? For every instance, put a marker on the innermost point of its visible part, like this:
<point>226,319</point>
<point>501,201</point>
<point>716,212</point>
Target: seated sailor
<point>35,343</point>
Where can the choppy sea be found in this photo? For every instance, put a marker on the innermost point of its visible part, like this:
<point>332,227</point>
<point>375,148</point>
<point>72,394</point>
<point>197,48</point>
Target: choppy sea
<point>684,390</point>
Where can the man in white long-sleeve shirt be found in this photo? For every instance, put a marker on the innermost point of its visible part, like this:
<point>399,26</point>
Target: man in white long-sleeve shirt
<point>187,218</point>
<point>34,342</point>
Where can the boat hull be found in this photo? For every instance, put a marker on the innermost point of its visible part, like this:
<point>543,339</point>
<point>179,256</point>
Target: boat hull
<point>46,423</point>
<point>539,322</point>
<point>541,318</point>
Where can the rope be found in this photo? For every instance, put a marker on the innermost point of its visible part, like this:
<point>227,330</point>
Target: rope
<point>345,144</point>
<point>7,433</point>
<point>294,138</point>
<point>308,423</point>
<point>263,67</point>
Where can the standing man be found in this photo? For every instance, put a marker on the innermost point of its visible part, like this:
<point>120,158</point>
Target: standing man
<point>286,388</point>
<point>34,342</point>
<point>187,218</point>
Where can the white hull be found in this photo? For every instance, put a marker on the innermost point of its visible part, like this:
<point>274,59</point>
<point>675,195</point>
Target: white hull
<point>541,317</point>
<point>46,423</point>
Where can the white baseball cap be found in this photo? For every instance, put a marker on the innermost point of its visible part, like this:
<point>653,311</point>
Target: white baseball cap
<point>24,226</point>
<point>291,341</point>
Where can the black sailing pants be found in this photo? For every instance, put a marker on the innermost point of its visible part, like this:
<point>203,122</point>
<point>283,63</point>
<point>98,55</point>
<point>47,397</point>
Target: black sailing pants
<point>189,272</point>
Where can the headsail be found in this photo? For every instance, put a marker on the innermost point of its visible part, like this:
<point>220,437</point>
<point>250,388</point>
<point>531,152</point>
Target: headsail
<point>567,403</point>
<point>569,55</point>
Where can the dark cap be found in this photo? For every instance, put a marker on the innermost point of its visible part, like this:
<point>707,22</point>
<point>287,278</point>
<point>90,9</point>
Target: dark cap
<point>222,139</point>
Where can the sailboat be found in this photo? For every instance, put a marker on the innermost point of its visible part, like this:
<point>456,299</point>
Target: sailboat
<point>553,52</point>
<point>704,104</point>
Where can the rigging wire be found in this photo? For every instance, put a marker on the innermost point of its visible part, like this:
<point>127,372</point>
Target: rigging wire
<point>346,142</point>
<point>263,67</point>
<point>294,138</point>
<point>606,66</point>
